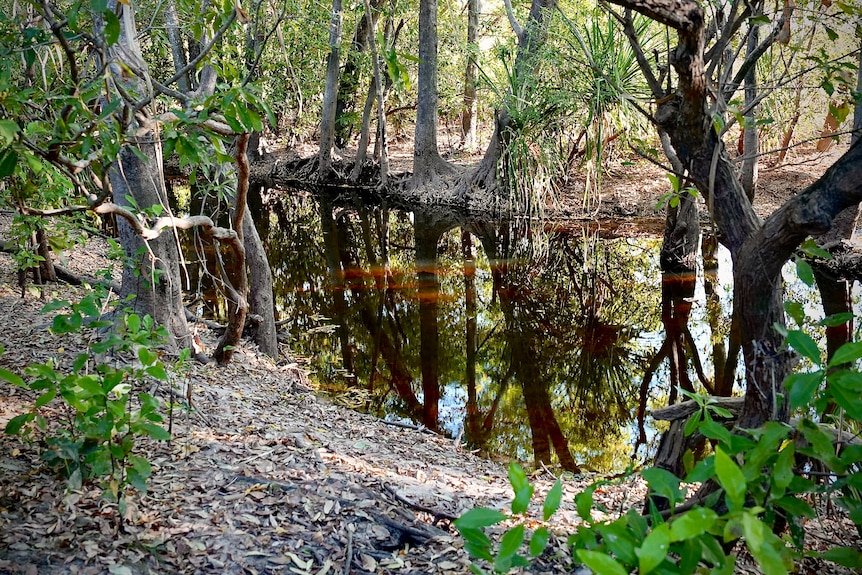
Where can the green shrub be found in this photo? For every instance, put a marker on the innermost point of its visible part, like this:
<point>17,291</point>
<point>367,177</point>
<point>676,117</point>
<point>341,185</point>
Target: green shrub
<point>105,411</point>
<point>758,481</point>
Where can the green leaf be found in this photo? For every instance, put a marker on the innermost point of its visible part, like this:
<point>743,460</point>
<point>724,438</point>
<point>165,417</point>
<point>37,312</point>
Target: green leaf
<point>795,310</point>
<point>522,500</point>
<point>844,556</point>
<point>157,371</point>
<point>804,271</point>
<point>601,563</point>
<point>479,517</point>
<point>802,387</point>
<point>476,543</point>
<point>730,477</point>
<point>511,541</point>
<point>8,130</point>
<point>112,27</point>
<point>45,398</point>
<point>759,540</point>
<point>836,319</point>
<point>584,503</point>
<point>156,431</point>
<point>782,472</point>
<point>810,248</point>
<point>654,549</point>
<point>539,541</point>
<point>16,423</point>
<point>664,483</point>
<point>12,378</point>
<point>795,507</point>
<point>8,161</point>
<point>715,430</point>
<point>692,523</point>
<point>552,500</point>
<point>807,347</point>
<point>692,422</point>
<point>517,477</point>
<point>847,353</point>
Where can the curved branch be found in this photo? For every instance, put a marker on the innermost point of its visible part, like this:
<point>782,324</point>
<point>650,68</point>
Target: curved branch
<point>516,27</point>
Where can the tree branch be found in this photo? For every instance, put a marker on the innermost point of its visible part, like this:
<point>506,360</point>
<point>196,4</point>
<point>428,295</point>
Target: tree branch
<point>517,28</point>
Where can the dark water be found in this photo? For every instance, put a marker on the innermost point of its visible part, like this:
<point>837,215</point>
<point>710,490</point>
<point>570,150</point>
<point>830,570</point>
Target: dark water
<point>547,345</point>
<point>537,344</point>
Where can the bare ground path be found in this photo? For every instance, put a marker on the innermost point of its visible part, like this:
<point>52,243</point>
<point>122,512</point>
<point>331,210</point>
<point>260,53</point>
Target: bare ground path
<point>264,476</point>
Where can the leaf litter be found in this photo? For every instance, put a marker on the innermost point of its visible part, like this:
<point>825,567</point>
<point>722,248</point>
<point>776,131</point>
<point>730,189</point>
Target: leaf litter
<point>264,476</point>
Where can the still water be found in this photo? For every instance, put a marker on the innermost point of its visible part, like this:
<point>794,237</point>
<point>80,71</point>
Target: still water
<point>543,345</point>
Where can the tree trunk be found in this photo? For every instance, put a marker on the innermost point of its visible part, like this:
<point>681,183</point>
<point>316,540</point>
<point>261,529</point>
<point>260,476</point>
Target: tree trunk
<point>261,299</point>
<point>151,284</point>
<point>330,96</point>
<point>178,50</point>
<point>237,273</point>
<point>857,110</point>
<point>468,115</point>
<point>350,79</point>
<point>759,250</point>
<point>750,134</point>
<point>152,281</point>
<point>427,236</point>
<point>427,163</point>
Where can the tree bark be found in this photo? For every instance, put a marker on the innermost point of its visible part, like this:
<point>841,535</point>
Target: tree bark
<point>330,96</point>
<point>237,274</point>
<point>759,250</point>
<point>468,114</point>
<point>427,163</point>
<point>178,51</point>
<point>151,285</point>
<point>750,135</point>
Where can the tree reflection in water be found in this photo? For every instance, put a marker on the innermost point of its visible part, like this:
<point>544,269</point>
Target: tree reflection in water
<point>528,352</point>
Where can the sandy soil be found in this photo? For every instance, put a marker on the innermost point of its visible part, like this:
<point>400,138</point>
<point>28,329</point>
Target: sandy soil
<point>264,476</point>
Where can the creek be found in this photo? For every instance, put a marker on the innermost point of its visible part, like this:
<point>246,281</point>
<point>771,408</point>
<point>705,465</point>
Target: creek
<point>546,344</point>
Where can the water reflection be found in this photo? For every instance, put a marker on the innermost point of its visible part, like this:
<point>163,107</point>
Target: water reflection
<point>527,346</point>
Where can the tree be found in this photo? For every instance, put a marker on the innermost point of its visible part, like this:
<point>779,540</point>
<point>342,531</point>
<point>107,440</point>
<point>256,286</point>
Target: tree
<point>97,132</point>
<point>427,162</point>
<point>330,96</point>
<point>468,114</point>
<point>759,249</point>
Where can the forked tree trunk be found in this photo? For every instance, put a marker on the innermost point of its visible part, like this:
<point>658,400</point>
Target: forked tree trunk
<point>759,249</point>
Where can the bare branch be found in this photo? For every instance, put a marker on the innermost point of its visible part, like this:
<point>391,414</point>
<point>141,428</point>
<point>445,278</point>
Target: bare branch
<point>517,28</point>
<point>682,15</point>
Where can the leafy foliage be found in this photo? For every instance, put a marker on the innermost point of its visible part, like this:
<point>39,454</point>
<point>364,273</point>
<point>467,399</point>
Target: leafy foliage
<point>106,413</point>
<point>755,482</point>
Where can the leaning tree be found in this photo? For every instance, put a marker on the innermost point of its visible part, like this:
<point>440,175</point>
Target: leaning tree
<point>687,111</point>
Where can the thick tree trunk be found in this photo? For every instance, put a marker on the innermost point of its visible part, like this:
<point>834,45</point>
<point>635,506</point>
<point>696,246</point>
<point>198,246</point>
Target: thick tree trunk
<point>427,163</point>
<point>261,300</point>
<point>152,281</point>
<point>759,250</point>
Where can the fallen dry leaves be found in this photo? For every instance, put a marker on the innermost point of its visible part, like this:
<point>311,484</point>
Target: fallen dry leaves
<point>262,476</point>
